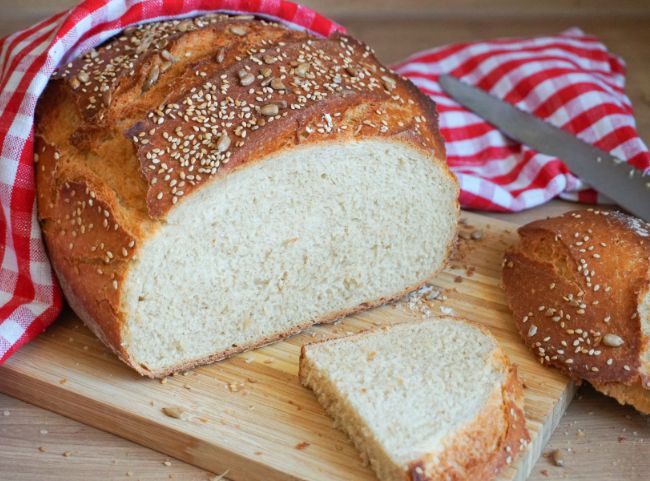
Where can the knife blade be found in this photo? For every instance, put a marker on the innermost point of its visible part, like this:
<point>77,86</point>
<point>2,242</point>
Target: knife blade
<point>611,176</point>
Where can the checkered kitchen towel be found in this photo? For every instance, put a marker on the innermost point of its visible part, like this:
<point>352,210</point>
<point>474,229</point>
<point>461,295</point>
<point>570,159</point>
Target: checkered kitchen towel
<point>570,79</point>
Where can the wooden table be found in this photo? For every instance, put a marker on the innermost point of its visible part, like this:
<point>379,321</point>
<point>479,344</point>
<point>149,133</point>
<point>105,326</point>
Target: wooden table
<point>599,440</point>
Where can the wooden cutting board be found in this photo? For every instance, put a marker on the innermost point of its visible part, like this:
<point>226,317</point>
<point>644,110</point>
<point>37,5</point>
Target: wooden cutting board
<point>249,415</point>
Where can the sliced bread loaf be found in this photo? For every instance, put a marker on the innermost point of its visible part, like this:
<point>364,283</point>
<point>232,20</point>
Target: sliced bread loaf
<point>434,400</point>
<point>210,185</point>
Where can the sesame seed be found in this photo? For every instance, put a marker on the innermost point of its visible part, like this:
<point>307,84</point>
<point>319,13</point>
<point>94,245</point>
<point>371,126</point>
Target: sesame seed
<point>532,330</point>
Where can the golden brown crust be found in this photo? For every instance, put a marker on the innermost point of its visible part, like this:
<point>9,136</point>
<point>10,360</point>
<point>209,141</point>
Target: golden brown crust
<point>634,395</point>
<point>303,93</point>
<point>573,284</point>
<point>484,448</point>
<point>103,116</point>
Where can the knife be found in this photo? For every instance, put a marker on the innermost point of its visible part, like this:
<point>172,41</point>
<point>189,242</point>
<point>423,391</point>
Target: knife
<point>619,181</point>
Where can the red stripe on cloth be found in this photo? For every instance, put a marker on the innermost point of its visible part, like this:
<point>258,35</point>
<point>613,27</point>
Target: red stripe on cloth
<point>42,26</point>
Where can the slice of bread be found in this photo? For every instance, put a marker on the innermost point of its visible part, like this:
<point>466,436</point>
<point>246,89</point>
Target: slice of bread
<point>433,400</point>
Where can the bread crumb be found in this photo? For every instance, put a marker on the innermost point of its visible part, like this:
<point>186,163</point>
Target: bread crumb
<point>42,449</point>
<point>167,462</point>
<point>302,445</point>
<point>6,412</point>
<point>43,431</point>
<point>67,454</point>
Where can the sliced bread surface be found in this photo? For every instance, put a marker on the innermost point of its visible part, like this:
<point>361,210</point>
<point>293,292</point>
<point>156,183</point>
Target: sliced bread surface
<point>432,400</point>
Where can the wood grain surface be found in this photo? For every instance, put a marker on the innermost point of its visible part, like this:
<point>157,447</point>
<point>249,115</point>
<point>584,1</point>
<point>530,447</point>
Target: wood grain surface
<point>249,414</point>
<point>598,439</point>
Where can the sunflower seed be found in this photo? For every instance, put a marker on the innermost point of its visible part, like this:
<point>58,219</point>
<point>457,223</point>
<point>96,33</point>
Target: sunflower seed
<point>221,55</point>
<point>389,82</point>
<point>246,78</point>
<point>152,78</point>
<point>302,69</point>
<point>167,55</point>
<point>269,110</point>
<point>612,340</point>
<point>224,142</point>
<point>238,30</point>
<point>352,70</point>
<point>277,84</point>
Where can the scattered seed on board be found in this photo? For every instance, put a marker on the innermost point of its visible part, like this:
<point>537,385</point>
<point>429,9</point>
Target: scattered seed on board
<point>174,412</point>
<point>556,457</point>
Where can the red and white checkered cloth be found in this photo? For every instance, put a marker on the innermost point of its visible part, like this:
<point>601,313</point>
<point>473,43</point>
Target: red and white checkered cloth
<point>571,80</point>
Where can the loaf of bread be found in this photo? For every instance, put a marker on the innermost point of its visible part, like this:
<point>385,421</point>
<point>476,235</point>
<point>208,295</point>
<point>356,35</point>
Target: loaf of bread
<point>427,401</point>
<point>579,288</point>
<point>209,185</point>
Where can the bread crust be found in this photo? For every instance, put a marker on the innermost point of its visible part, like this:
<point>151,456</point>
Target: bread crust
<point>574,284</point>
<point>98,128</point>
<point>483,448</point>
<point>634,395</point>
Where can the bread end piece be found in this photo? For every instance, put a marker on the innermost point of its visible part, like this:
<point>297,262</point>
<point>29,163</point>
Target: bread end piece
<point>477,444</point>
<point>578,287</point>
